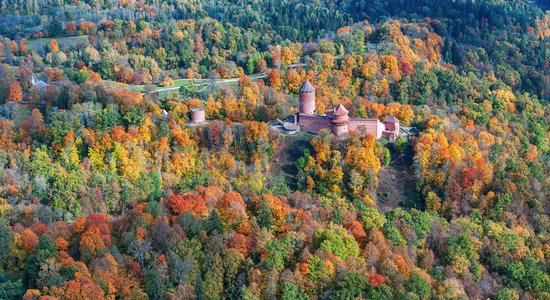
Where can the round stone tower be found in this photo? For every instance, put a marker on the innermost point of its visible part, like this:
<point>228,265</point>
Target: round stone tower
<point>340,121</point>
<point>197,116</point>
<point>307,98</point>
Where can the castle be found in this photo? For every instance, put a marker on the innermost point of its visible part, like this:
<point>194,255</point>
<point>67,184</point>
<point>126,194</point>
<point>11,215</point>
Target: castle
<point>338,121</point>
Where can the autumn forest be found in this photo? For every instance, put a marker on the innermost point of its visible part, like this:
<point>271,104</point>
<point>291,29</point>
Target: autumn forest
<point>110,190</point>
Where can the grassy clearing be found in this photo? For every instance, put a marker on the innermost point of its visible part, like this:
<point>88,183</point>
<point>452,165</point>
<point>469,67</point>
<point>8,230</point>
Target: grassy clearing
<point>397,183</point>
<point>182,82</point>
<point>190,86</point>
<point>23,113</point>
<point>284,161</point>
<point>63,42</point>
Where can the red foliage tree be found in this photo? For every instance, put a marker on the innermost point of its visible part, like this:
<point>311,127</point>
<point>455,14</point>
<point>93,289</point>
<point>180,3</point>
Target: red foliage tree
<point>197,202</point>
<point>91,243</point>
<point>54,74</point>
<point>83,288</point>
<point>231,207</point>
<point>240,243</point>
<point>29,239</point>
<point>376,280</point>
<point>101,222</point>
<point>70,28</point>
<point>190,202</point>
<point>177,205</point>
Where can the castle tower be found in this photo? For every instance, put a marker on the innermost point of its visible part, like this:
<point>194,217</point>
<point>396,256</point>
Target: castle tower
<point>197,116</point>
<point>307,98</point>
<point>391,127</point>
<point>391,123</point>
<point>340,121</point>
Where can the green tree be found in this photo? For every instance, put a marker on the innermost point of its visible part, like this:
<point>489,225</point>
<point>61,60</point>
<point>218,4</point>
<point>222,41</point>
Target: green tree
<point>190,224</point>
<point>11,289</point>
<point>357,41</point>
<point>108,117</point>
<point>337,241</point>
<point>277,254</point>
<point>46,248</point>
<point>352,286</point>
<point>213,223</point>
<point>265,215</point>
<point>293,292</point>
<point>372,218</point>
<point>55,28</point>
<point>6,244</point>
<point>507,294</point>
<point>106,69</point>
<point>155,283</point>
<point>213,276</point>
<point>387,157</point>
<point>418,285</point>
<point>135,116</point>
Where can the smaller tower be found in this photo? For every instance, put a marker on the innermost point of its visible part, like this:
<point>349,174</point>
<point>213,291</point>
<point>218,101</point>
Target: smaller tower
<point>392,124</point>
<point>197,116</point>
<point>340,121</point>
<point>307,98</point>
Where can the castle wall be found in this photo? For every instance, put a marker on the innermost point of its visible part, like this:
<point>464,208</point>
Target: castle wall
<point>397,128</point>
<point>314,123</point>
<point>390,135</point>
<point>367,126</point>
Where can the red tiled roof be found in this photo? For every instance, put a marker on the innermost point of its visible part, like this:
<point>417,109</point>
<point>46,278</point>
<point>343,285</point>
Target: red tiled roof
<point>391,119</point>
<point>341,111</point>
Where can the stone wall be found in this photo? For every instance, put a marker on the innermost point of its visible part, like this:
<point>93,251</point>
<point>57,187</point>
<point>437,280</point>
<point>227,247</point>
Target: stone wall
<point>367,126</point>
<point>313,123</point>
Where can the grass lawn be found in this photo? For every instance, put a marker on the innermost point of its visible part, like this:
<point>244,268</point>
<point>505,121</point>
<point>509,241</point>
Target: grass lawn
<point>284,160</point>
<point>63,42</point>
<point>199,85</point>
<point>182,82</point>
<point>131,87</point>
<point>23,113</point>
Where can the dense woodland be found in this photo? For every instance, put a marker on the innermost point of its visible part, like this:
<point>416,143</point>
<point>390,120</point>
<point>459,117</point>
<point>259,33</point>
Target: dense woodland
<point>107,191</point>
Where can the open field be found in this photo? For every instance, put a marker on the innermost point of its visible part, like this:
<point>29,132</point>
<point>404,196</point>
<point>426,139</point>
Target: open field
<point>284,162</point>
<point>64,42</point>
<point>397,183</point>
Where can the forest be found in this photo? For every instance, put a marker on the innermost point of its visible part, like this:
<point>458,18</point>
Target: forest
<point>107,191</point>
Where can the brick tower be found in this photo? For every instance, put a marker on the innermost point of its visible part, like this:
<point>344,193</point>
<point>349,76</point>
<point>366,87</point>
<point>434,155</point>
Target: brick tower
<point>307,98</point>
<point>340,121</point>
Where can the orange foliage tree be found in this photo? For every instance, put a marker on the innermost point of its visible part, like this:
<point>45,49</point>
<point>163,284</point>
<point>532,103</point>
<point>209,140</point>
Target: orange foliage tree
<point>54,47</point>
<point>16,93</point>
